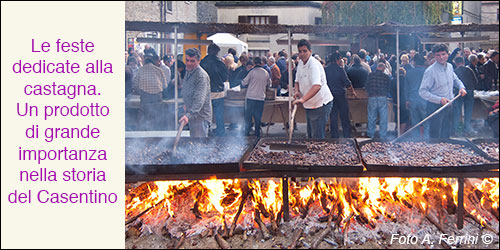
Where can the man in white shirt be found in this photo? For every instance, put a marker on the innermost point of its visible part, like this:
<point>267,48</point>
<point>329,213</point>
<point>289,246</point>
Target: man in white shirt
<point>312,91</point>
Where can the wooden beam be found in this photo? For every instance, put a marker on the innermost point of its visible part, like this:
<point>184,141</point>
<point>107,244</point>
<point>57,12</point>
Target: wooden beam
<point>171,41</point>
<point>432,40</point>
<point>245,28</point>
<point>317,42</point>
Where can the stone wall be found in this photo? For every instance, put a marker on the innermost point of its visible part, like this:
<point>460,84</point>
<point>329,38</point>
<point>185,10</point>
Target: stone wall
<point>207,12</point>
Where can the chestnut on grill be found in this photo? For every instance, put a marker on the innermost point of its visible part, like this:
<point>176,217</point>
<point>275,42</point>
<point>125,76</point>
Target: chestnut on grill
<point>419,154</point>
<point>490,148</point>
<point>317,153</point>
<point>187,152</point>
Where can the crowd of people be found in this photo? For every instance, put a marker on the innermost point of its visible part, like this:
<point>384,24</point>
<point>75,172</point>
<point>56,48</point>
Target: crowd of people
<point>428,80</point>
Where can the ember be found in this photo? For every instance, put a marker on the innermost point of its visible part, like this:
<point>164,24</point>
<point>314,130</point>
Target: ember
<point>356,211</point>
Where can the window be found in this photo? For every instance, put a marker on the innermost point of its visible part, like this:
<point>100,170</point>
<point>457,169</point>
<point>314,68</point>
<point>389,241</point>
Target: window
<point>255,53</point>
<point>318,20</point>
<point>169,6</point>
<point>258,19</point>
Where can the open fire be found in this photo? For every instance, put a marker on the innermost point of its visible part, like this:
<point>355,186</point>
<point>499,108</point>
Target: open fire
<point>347,207</point>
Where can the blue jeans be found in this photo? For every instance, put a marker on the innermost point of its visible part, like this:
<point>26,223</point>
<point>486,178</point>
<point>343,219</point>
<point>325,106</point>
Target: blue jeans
<point>417,114</point>
<point>340,106</point>
<point>468,102</point>
<point>253,109</point>
<point>218,110</point>
<point>440,124</point>
<point>377,107</point>
<point>316,121</point>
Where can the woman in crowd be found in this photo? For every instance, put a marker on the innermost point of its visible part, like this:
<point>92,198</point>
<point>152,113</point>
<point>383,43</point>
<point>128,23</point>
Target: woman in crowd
<point>231,68</point>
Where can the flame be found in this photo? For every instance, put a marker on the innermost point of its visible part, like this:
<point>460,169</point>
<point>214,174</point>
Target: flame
<point>158,191</point>
<point>267,195</point>
<point>489,187</point>
<point>369,199</point>
<point>479,217</point>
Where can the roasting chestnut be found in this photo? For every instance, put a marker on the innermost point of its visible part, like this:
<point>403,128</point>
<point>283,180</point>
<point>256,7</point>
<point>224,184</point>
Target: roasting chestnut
<point>419,154</point>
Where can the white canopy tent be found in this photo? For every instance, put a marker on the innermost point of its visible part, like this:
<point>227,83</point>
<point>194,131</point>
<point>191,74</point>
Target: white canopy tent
<point>226,41</point>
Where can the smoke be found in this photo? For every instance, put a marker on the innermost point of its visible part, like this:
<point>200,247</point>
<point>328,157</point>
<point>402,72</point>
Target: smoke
<point>159,151</point>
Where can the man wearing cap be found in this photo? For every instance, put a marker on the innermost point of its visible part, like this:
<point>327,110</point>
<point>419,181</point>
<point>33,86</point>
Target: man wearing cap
<point>311,90</point>
<point>196,94</point>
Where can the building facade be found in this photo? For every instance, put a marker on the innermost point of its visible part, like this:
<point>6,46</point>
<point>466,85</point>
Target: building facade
<point>269,12</point>
<point>159,11</point>
<point>479,12</point>
<point>490,14</point>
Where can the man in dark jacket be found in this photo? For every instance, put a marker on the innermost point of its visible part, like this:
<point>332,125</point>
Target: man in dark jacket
<point>217,72</point>
<point>337,81</point>
<point>239,73</point>
<point>468,78</point>
<point>414,102</point>
<point>357,73</point>
<point>282,61</point>
<point>490,69</point>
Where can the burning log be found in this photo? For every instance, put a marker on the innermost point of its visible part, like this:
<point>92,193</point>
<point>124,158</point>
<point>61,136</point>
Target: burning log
<point>473,199</point>
<point>450,203</point>
<point>245,235</point>
<point>488,205</point>
<point>323,234</point>
<point>274,225</point>
<point>263,210</point>
<point>477,197</point>
<point>133,232</point>
<point>362,219</point>
<point>196,205</point>
<point>220,241</point>
<point>143,212</point>
<point>244,196</point>
<point>434,222</point>
<point>323,202</point>
<point>327,230</point>
<point>346,228</point>
<point>304,210</point>
<point>483,225</point>
<point>295,238</point>
<point>263,229</point>
<point>280,214</point>
<point>225,231</point>
<point>181,241</point>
